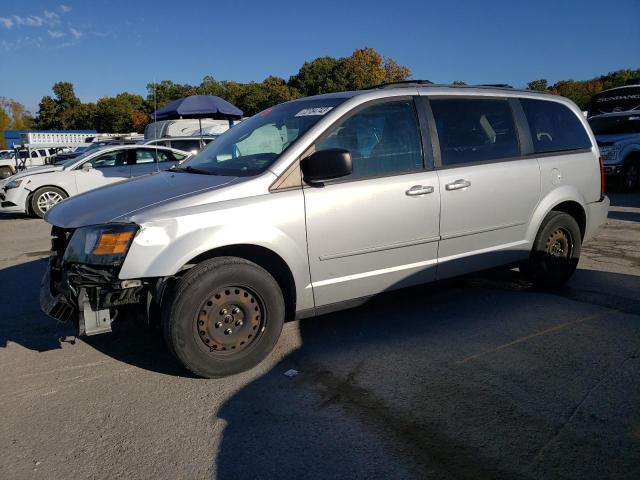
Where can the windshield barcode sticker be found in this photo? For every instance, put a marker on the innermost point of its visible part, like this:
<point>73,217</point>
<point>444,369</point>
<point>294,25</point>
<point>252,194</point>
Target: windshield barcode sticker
<point>307,112</point>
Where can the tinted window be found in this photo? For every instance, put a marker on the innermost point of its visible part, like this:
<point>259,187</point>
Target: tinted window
<point>554,127</point>
<point>110,159</point>
<point>617,124</point>
<point>169,156</point>
<point>186,145</point>
<point>474,130</point>
<point>145,156</point>
<point>383,139</point>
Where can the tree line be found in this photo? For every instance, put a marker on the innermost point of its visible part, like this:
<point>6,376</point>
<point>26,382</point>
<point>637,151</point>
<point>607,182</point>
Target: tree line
<point>127,112</point>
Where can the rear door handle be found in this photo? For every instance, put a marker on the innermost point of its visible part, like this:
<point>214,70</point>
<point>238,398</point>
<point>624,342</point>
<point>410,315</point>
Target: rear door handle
<point>458,184</point>
<point>419,190</point>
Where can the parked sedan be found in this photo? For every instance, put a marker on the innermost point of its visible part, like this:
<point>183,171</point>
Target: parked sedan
<point>36,190</point>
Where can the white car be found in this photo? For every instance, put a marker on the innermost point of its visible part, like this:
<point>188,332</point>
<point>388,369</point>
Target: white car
<point>37,189</point>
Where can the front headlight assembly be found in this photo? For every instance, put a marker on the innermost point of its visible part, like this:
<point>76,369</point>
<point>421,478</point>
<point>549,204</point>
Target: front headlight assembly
<point>101,244</point>
<point>15,183</point>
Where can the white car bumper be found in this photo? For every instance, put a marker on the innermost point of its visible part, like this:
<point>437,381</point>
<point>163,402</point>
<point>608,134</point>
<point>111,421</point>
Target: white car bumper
<point>13,200</point>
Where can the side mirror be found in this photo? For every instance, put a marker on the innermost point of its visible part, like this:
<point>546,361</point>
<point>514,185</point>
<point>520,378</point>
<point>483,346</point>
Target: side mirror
<point>326,165</point>
<point>87,166</point>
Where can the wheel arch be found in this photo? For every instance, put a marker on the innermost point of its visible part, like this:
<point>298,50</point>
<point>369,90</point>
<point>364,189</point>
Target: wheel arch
<point>265,258</point>
<point>564,199</point>
<point>40,187</point>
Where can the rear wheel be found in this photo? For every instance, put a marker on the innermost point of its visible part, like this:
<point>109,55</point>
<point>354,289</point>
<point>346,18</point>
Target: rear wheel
<point>223,317</point>
<point>556,251</point>
<point>5,172</point>
<point>44,198</point>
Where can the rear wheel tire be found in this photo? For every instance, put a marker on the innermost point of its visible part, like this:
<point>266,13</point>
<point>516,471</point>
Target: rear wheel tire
<point>5,172</point>
<point>44,198</point>
<point>556,251</point>
<point>224,316</point>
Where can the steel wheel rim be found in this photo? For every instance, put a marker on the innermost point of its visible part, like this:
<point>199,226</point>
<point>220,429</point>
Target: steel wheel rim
<point>559,245</point>
<point>229,321</point>
<point>48,199</point>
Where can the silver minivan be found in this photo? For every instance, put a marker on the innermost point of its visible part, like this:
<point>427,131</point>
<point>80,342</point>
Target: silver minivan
<point>317,204</point>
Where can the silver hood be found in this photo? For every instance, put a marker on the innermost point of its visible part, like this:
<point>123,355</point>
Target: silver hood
<point>119,201</point>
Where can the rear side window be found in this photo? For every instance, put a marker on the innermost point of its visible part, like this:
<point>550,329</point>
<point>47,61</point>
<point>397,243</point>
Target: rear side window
<point>474,130</point>
<point>554,127</point>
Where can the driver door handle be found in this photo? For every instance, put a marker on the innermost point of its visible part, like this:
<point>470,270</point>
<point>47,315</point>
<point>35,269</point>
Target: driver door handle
<point>458,184</point>
<point>419,190</point>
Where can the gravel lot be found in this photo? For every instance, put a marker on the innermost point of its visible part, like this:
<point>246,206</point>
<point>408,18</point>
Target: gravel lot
<point>478,378</point>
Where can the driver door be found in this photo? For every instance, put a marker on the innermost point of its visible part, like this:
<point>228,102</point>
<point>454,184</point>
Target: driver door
<point>110,167</point>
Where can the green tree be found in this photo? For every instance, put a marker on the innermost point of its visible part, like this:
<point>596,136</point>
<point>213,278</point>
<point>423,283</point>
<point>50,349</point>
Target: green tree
<point>459,82</point>
<point>47,118</point>
<point>321,75</point>
<point>540,85</point>
<point>116,114</point>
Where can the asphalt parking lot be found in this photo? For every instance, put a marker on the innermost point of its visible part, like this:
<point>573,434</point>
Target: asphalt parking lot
<point>483,377</point>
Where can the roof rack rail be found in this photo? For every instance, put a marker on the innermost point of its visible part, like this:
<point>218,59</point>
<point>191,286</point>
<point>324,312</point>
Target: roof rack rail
<point>497,85</point>
<point>428,83</point>
<point>401,83</point>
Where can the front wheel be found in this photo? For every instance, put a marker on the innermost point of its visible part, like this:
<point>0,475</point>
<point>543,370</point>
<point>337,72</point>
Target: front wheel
<point>223,316</point>
<point>44,198</point>
<point>556,251</point>
<point>630,176</point>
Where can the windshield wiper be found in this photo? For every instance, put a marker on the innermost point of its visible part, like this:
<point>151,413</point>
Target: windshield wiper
<point>190,169</point>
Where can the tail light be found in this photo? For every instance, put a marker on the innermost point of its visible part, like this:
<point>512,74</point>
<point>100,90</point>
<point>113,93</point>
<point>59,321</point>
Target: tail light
<point>601,178</point>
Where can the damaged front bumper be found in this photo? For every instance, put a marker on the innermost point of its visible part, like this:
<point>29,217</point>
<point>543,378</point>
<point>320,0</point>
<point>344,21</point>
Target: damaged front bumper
<point>85,295</point>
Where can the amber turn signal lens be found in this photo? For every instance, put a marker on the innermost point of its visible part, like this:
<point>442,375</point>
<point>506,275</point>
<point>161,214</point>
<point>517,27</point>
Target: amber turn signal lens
<point>112,243</point>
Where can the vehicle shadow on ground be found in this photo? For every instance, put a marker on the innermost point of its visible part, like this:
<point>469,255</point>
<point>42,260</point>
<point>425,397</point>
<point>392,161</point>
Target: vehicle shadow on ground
<point>385,390</point>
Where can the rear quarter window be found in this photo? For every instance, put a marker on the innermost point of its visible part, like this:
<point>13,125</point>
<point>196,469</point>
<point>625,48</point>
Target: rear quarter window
<point>554,127</point>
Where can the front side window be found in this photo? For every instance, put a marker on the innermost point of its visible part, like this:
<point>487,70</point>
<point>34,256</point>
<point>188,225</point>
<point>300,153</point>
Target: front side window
<point>110,159</point>
<point>554,127</point>
<point>474,130</point>
<point>250,147</point>
<point>383,139</point>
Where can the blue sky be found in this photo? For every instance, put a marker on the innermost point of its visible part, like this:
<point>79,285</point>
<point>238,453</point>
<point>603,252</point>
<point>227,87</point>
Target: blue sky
<point>105,47</point>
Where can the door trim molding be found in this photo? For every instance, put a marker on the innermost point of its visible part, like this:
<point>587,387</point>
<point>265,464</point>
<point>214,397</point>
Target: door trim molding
<point>380,248</point>
<point>466,233</point>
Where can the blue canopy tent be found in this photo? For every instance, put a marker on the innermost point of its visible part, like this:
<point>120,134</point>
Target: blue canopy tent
<point>198,106</point>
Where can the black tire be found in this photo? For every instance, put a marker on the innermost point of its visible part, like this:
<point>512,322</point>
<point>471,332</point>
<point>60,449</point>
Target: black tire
<point>556,251</point>
<point>5,172</point>
<point>630,175</point>
<point>38,202</point>
<point>196,310</point>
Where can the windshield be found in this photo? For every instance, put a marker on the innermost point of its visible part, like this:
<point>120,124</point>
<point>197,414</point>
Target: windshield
<point>5,155</point>
<point>615,124</point>
<point>252,146</point>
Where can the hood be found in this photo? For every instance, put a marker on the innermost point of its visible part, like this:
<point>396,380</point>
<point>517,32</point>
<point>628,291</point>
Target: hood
<point>38,170</point>
<point>117,201</point>
<point>609,139</point>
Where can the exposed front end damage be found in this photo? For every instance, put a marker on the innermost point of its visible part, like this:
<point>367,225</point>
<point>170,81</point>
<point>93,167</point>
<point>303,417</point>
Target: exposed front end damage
<point>87,295</point>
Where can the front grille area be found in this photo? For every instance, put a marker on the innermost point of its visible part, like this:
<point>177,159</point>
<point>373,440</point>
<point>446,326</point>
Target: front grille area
<point>60,238</point>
